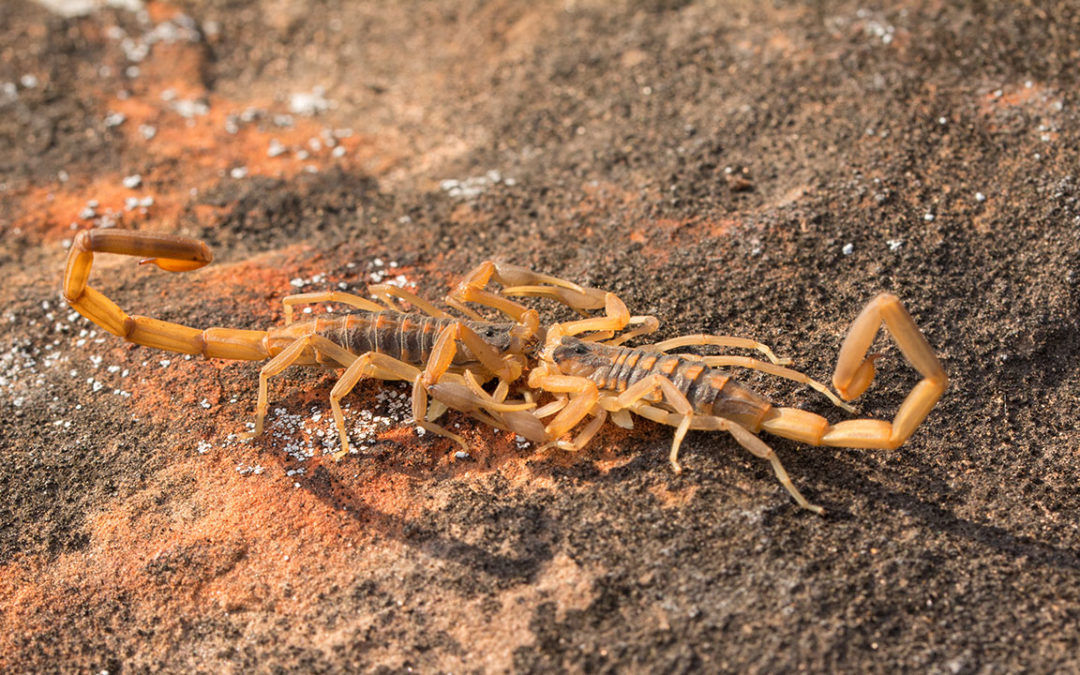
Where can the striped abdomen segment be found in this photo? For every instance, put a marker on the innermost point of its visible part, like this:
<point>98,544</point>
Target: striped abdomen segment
<point>407,337</point>
<point>711,391</point>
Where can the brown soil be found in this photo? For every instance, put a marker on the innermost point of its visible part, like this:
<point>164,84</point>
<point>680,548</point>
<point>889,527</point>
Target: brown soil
<point>730,168</point>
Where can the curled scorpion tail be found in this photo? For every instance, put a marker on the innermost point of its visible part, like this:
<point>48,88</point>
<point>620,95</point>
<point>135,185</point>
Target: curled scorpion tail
<point>172,253</point>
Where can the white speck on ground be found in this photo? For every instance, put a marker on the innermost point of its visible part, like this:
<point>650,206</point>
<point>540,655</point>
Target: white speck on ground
<point>309,104</point>
<point>470,188</point>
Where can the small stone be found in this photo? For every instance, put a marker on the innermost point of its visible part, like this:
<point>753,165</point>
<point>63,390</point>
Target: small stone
<point>276,148</point>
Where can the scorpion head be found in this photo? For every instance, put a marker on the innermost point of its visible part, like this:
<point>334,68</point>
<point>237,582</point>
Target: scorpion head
<point>498,335</point>
<point>578,357</point>
<point>510,338</point>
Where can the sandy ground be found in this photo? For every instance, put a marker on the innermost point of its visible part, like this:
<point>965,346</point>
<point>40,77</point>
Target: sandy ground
<point>728,167</point>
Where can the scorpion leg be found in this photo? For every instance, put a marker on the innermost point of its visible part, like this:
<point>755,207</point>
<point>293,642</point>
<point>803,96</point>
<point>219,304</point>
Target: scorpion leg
<point>779,371</point>
<point>385,292</point>
<point>305,351</point>
<point>327,296</point>
<point>383,367</point>
<point>647,388</point>
<point>742,436</point>
<point>719,341</point>
<point>854,373</point>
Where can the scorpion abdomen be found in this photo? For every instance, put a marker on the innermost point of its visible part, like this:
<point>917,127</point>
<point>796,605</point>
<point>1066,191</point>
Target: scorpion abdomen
<point>710,391</point>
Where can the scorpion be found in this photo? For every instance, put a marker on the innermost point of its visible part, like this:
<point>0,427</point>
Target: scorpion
<point>581,365</point>
<point>594,375</point>
<point>378,341</point>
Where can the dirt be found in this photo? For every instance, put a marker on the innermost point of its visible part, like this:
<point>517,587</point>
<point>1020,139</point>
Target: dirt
<point>729,167</point>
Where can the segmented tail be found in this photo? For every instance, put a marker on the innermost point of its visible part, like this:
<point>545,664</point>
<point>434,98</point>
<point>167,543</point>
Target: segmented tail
<point>169,252</point>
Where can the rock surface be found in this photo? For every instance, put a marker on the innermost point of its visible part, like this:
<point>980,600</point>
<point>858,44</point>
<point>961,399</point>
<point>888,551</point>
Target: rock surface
<point>728,167</point>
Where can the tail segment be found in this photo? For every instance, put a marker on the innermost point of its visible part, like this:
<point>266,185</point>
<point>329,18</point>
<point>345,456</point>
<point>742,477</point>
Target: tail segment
<point>169,252</point>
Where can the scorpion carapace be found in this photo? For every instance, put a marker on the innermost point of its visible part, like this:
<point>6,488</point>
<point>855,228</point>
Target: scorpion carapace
<point>380,341</point>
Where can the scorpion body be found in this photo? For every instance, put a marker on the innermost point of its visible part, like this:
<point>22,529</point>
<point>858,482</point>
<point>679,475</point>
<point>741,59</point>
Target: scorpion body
<point>710,391</point>
<point>374,342</point>
<point>409,337</point>
<point>690,392</point>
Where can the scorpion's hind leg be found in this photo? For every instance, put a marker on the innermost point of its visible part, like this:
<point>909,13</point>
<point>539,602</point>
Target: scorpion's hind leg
<point>854,373</point>
<point>719,341</point>
<point>300,352</point>
<point>344,298</point>
<point>383,367</point>
<point>386,292</point>
<point>742,436</point>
